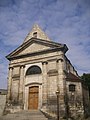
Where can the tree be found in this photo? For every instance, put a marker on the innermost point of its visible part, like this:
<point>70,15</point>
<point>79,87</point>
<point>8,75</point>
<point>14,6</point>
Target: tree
<point>86,78</point>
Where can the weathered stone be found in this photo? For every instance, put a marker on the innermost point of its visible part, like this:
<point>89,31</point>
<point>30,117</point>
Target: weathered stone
<point>50,72</point>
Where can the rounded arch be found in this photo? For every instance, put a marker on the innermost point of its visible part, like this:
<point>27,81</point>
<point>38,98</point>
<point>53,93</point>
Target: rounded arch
<point>33,70</point>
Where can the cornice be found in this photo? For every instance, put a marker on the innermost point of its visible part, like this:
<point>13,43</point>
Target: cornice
<point>36,53</point>
<point>39,41</point>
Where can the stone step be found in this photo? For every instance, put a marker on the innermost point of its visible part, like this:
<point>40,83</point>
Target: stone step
<point>25,115</point>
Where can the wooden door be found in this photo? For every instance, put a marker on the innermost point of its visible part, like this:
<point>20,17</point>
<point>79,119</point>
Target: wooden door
<point>33,97</point>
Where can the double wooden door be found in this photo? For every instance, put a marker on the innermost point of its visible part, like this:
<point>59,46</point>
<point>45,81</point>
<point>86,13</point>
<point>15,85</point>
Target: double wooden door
<point>33,97</point>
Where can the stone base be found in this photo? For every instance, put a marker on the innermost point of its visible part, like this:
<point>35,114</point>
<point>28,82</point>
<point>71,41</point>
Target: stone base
<point>48,114</point>
<point>10,108</point>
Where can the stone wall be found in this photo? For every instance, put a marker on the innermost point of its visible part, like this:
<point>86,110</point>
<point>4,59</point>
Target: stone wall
<point>75,100</point>
<point>86,100</point>
<point>2,103</point>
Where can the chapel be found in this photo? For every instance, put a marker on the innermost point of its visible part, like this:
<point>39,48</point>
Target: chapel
<point>41,77</point>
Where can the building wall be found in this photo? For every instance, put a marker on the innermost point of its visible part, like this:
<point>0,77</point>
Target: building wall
<point>51,65</point>
<point>52,79</point>
<point>69,67</point>
<point>86,100</point>
<point>75,99</point>
<point>2,103</point>
<point>3,94</point>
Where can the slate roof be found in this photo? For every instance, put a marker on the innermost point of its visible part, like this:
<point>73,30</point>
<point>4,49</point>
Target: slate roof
<point>72,77</point>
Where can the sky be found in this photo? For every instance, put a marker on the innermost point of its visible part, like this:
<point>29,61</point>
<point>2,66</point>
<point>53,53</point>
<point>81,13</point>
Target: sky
<point>64,21</point>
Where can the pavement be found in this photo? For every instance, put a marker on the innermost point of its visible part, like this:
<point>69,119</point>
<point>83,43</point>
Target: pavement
<point>25,115</point>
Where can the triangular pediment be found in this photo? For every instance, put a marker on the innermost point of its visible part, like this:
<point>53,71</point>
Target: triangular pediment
<point>32,46</point>
<point>35,42</point>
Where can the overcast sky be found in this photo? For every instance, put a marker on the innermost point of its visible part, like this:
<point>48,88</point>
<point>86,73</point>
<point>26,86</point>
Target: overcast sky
<point>64,21</point>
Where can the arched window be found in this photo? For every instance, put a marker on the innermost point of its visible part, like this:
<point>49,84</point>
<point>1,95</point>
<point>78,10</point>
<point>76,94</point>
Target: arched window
<point>33,70</point>
<point>72,87</point>
<point>35,34</point>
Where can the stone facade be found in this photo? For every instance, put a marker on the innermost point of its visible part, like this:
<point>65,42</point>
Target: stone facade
<point>37,69</point>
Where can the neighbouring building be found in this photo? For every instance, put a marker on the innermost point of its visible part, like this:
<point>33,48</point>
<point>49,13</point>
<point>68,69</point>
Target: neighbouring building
<point>38,69</point>
<point>3,93</point>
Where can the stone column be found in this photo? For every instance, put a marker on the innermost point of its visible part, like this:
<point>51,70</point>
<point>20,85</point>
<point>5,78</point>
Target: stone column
<point>44,85</point>
<point>21,84</point>
<point>9,83</point>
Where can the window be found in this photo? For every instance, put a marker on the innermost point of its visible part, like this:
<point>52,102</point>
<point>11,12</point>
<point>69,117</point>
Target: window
<point>35,34</point>
<point>72,87</point>
<point>33,70</point>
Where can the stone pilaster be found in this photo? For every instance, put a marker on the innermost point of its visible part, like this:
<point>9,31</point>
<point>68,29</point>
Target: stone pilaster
<point>9,83</point>
<point>21,84</point>
<point>61,86</point>
<point>60,81</point>
<point>44,85</point>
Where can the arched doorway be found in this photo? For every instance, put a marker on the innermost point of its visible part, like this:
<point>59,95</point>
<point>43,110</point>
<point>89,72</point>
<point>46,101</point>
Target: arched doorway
<point>33,75</point>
